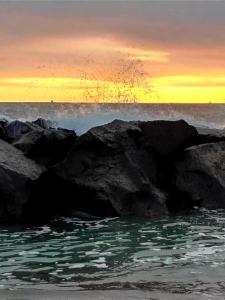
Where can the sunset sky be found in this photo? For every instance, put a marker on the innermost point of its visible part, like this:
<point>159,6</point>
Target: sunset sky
<point>147,51</point>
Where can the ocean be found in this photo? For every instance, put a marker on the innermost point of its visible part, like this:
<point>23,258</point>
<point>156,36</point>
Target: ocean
<point>177,257</point>
<point>82,117</point>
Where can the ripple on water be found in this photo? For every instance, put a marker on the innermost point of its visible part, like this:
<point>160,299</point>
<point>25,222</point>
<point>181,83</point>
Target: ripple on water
<point>181,248</point>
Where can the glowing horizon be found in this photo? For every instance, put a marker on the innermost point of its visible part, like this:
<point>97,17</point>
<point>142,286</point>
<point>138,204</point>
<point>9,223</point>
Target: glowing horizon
<point>92,52</point>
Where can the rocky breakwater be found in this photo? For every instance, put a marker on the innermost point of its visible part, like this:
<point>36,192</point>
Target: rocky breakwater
<point>128,169</point>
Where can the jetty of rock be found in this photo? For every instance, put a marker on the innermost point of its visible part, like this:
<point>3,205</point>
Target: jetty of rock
<point>128,169</point>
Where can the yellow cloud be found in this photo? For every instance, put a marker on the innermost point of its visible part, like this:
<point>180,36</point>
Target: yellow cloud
<point>176,89</point>
<point>145,55</point>
<point>184,80</point>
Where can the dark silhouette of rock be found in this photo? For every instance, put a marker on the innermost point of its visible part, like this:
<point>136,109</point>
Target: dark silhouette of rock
<point>17,128</point>
<point>211,131</point>
<point>200,175</point>
<point>47,146</point>
<point>17,175</point>
<point>109,171</point>
<point>208,135</point>
<point>167,137</point>
<point>3,134</point>
<point>4,122</point>
<point>45,124</point>
<point>129,169</point>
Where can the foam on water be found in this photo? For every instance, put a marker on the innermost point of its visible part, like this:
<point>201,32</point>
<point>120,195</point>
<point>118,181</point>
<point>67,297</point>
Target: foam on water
<point>81,254</point>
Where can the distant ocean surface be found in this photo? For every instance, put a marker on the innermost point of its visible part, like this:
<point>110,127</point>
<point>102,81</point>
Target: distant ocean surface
<point>179,257</point>
<point>82,117</point>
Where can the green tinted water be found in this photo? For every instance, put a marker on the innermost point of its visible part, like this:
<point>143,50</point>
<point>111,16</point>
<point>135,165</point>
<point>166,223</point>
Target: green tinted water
<point>177,253</point>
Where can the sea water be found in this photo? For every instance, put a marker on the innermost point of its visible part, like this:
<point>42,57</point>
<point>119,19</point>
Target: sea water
<point>82,117</point>
<point>178,254</point>
<point>182,254</point>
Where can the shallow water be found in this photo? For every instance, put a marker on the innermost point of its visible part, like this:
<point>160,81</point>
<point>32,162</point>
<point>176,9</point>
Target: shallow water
<point>177,254</point>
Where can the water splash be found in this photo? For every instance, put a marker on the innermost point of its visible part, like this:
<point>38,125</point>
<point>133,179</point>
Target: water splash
<point>82,117</point>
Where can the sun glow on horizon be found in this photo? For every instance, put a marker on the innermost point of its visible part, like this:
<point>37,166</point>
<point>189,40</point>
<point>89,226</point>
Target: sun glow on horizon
<point>111,73</point>
<point>52,53</point>
<point>174,89</point>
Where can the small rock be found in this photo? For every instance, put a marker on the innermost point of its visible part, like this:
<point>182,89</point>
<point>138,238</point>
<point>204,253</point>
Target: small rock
<point>45,124</point>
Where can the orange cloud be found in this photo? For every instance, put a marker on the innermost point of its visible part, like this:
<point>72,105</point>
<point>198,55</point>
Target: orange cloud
<point>76,51</point>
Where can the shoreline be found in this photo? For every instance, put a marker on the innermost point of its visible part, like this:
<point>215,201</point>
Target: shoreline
<point>32,294</point>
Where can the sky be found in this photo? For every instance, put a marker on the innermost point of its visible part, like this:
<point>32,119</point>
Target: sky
<point>112,51</point>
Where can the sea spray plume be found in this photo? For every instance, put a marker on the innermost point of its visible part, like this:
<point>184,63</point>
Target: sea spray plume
<point>116,79</point>
<point>82,117</point>
<point>114,76</point>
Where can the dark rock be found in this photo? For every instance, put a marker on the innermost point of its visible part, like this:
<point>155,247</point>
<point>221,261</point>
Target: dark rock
<point>17,128</point>
<point>51,196</point>
<point>139,169</point>
<point>27,141</point>
<point>208,135</point>
<point>211,131</point>
<point>45,124</point>
<point>17,175</point>
<point>167,137</point>
<point>200,175</point>
<point>3,134</point>
<point>47,146</point>
<point>109,172</point>
<point>4,122</point>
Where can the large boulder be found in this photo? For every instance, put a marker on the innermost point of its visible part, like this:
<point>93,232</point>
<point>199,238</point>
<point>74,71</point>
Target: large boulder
<point>200,175</point>
<point>17,176</point>
<point>167,137</point>
<point>48,146</point>
<point>110,172</point>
